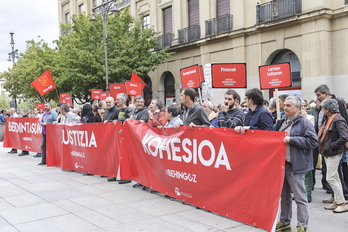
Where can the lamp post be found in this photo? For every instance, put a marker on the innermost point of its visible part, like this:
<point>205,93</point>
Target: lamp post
<point>12,56</point>
<point>104,9</point>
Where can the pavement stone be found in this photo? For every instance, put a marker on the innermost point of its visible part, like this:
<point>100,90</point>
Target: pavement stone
<point>40,198</point>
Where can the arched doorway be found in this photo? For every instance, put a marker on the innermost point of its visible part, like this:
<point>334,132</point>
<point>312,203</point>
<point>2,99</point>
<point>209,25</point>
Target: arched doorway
<point>283,56</point>
<point>147,91</point>
<point>169,88</point>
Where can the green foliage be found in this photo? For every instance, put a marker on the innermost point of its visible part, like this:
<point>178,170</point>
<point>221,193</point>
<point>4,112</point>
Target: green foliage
<point>77,63</point>
<point>4,102</point>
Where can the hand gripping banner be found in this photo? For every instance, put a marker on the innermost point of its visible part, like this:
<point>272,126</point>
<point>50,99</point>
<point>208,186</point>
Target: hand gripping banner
<point>85,147</point>
<point>238,176</point>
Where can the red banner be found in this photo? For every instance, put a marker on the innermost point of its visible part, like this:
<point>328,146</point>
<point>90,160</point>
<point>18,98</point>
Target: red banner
<point>44,83</point>
<point>134,88</point>
<point>238,176</point>
<point>89,147</point>
<point>201,74</point>
<point>190,77</point>
<point>23,134</point>
<point>116,89</point>
<point>41,106</point>
<point>229,75</point>
<point>275,76</point>
<point>95,93</point>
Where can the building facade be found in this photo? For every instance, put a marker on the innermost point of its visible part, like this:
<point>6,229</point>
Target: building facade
<point>309,34</point>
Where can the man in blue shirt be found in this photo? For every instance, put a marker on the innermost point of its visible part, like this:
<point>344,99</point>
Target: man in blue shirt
<point>258,118</point>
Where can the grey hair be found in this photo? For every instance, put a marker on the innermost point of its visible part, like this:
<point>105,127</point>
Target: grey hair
<point>138,97</point>
<point>65,107</point>
<point>295,99</point>
<point>123,96</point>
<point>322,89</point>
<point>273,102</point>
<point>210,104</point>
<point>330,105</point>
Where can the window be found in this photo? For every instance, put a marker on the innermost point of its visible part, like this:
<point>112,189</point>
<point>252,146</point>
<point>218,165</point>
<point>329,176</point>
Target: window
<point>167,20</point>
<point>81,8</point>
<point>222,8</point>
<point>146,22</point>
<point>67,18</point>
<point>193,12</point>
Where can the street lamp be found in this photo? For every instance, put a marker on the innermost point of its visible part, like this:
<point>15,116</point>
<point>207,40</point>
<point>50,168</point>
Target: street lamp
<point>12,56</point>
<point>104,9</point>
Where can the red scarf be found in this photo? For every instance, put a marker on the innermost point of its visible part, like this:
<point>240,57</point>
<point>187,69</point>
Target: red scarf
<point>323,131</point>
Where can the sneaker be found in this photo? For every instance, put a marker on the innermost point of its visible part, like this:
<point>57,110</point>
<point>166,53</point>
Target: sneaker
<point>332,206</point>
<point>23,154</point>
<point>137,185</point>
<point>41,163</point>
<point>38,155</point>
<point>301,229</point>
<point>330,200</point>
<point>341,208</point>
<point>112,179</point>
<point>13,151</point>
<point>283,227</point>
<point>124,181</point>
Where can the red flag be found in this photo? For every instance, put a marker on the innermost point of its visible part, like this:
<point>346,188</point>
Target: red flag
<point>135,77</point>
<point>44,83</point>
<point>62,96</point>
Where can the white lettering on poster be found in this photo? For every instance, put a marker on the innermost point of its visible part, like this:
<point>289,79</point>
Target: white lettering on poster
<point>186,150</point>
<point>26,127</point>
<point>79,138</point>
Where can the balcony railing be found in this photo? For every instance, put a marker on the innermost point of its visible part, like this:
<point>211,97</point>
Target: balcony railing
<point>165,40</point>
<point>277,9</point>
<point>219,25</point>
<point>189,34</point>
<point>124,3</point>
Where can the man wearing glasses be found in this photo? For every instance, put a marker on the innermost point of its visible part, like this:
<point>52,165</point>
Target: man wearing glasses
<point>229,115</point>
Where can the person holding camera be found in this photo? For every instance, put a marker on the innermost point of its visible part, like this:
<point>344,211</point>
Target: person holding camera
<point>229,115</point>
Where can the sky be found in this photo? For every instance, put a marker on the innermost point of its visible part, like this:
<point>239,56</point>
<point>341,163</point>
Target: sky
<point>28,19</point>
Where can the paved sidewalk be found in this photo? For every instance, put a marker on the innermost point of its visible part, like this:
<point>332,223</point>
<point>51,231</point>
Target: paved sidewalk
<point>40,198</point>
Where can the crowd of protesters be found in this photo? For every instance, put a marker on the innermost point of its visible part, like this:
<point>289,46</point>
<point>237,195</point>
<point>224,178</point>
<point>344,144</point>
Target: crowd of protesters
<point>316,134</point>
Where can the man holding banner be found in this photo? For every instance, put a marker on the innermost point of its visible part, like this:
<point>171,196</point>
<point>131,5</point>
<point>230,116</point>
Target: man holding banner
<point>193,115</point>
<point>301,139</point>
<point>48,117</point>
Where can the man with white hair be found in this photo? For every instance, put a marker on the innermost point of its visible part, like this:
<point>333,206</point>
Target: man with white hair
<point>111,112</point>
<point>208,108</point>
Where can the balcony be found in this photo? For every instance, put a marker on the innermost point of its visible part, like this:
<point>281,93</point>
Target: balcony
<point>124,3</point>
<point>165,40</point>
<point>277,9</point>
<point>218,25</point>
<point>189,34</point>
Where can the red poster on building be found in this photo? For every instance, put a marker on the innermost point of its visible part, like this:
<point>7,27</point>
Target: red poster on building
<point>116,89</point>
<point>275,76</point>
<point>41,106</point>
<point>134,88</point>
<point>190,77</point>
<point>95,93</point>
<point>229,75</point>
<point>224,172</point>
<point>88,147</point>
<point>104,95</point>
<point>23,134</point>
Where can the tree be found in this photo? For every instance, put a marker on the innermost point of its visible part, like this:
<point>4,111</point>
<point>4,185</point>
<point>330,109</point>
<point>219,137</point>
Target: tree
<point>37,58</point>
<point>81,53</point>
<point>77,63</point>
